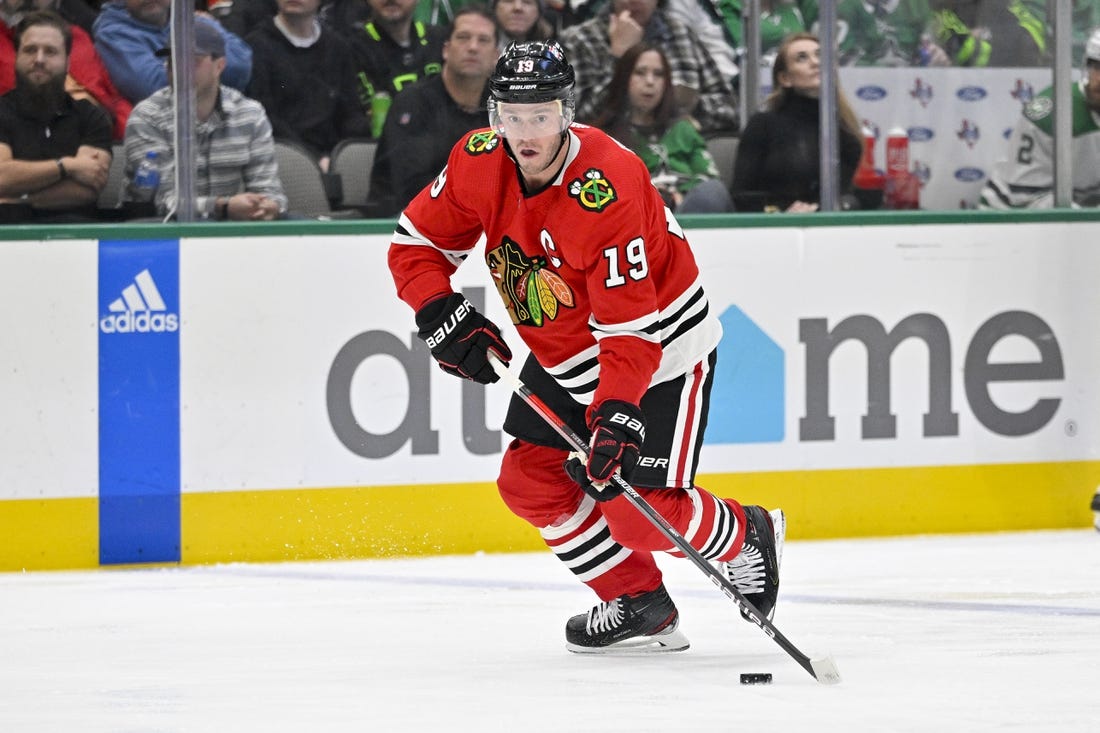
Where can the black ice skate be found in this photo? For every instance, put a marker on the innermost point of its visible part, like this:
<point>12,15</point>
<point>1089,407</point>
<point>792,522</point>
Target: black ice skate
<point>643,623</point>
<point>755,570</point>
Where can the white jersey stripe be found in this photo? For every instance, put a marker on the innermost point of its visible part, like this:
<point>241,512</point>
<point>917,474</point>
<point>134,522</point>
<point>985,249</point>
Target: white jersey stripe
<point>406,233</point>
<point>590,553</point>
<point>609,564</point>
<point>696,515</point>
<point>556,531</point>
<point>687,335</point>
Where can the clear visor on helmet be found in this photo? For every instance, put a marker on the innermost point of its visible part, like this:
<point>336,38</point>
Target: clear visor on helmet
<point>527,121</point>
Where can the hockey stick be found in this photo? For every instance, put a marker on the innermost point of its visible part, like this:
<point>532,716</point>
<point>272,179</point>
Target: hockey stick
<point>822,669</point>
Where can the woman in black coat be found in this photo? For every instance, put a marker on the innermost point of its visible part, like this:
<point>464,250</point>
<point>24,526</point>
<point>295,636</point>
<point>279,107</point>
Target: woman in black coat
<point>777,167</point>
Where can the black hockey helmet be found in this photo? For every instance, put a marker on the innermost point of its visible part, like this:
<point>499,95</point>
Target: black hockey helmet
<point>532,71</point>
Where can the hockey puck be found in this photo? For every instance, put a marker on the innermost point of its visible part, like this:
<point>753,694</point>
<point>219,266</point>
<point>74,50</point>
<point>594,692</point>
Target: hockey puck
<point>756,678</point>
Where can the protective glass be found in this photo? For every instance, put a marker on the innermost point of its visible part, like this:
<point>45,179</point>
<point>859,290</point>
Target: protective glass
<point>526,121</point>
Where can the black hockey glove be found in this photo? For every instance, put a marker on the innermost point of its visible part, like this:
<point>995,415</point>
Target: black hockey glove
<point>460,338</point>
<point>605,491</point>
<point>618,431</point>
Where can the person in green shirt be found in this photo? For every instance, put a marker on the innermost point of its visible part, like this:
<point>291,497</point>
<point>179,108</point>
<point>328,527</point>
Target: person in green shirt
<point>869,32</point>
<point>641,114</point>
<point>1013,33</point>
<point>778,18</point>
<point>881,32</point>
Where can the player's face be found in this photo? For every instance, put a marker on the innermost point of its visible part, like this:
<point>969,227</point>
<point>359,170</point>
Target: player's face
<point>534,135</point>
<point>803,72</point>
<point>647,83</point>
<point>41,58</point>
<point>530,121</point>
<point>1092,85</point>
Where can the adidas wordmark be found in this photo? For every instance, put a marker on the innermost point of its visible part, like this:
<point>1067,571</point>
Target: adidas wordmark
<point>140,309</point>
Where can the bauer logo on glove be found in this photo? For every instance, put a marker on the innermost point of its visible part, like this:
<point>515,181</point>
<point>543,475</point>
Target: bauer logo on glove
<point>453,319</point>
<point>460,338</point>
<point>618,431</point>
<point>629,422</point>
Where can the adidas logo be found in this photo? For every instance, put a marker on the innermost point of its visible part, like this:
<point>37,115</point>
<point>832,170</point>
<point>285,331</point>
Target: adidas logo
<point>141,309</point>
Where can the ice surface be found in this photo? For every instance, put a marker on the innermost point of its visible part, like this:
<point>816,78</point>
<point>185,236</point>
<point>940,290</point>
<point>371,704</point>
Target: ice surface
<point>963,633</point>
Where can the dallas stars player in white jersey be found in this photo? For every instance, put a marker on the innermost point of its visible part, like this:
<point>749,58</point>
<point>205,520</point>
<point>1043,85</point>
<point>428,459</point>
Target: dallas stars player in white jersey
<point>1026,179</point>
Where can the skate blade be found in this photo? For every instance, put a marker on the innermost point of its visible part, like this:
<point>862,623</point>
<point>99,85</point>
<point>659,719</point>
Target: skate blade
<point>669,641</point>
<point>779,524</point>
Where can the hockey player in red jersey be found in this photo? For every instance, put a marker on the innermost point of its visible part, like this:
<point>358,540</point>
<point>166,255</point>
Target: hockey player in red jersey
<point>601,284</point>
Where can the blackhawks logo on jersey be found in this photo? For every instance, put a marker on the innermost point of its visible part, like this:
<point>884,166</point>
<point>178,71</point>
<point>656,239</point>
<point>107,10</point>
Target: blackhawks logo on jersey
<point>482,142</point>
<point>594,191</point>
<point>531,292</point>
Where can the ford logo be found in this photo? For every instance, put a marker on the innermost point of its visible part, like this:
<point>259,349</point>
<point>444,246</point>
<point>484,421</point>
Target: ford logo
<point>871,93</point>
<point>969,175</point>
<point>920,134</point>
<point>971,94</point>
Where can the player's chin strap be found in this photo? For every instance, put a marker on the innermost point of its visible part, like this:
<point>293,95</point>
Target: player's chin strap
<point>822,669</point>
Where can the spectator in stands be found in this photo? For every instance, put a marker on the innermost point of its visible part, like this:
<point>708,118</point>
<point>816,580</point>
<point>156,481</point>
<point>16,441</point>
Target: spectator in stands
<point>1086,16</point>
<point>593,45</point>
<point>641,114</point>
<point>244,16</point>
<point>235,175</point>
<point>975,33</point>
<point>87,77</point>
<point>521,20</point>
<point>778,19</point>
<point>1026,179</point>
<point>720,26</point>
<point>778,159</point>
<point>81,13</point>
<point>392,51</point>
<point>304,76</point>
<point>881,32</point>
<point>346,17</point>
<point>428,117</point>
<point>78,13</point>
<point>128,34</point>
<point>706,20</point>
<point>54,150</point>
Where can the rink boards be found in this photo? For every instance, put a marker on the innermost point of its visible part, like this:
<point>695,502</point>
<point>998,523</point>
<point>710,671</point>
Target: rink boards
<point>209,396</point>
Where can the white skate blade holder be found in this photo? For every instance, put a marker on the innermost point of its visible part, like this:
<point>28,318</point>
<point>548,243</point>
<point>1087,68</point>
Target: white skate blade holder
<point>669,641</point>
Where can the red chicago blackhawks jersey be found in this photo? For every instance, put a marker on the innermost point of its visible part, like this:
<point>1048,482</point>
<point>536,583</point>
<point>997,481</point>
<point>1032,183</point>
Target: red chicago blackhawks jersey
<point>594,271</point>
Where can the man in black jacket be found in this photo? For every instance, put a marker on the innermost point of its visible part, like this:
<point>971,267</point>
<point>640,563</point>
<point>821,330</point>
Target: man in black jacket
<point>392,51</point>
<point>304,76</point>
<point>429,117</point>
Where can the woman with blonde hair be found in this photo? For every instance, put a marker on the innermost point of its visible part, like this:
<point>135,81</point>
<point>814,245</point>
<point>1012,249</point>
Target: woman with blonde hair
<point>778,160</point>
